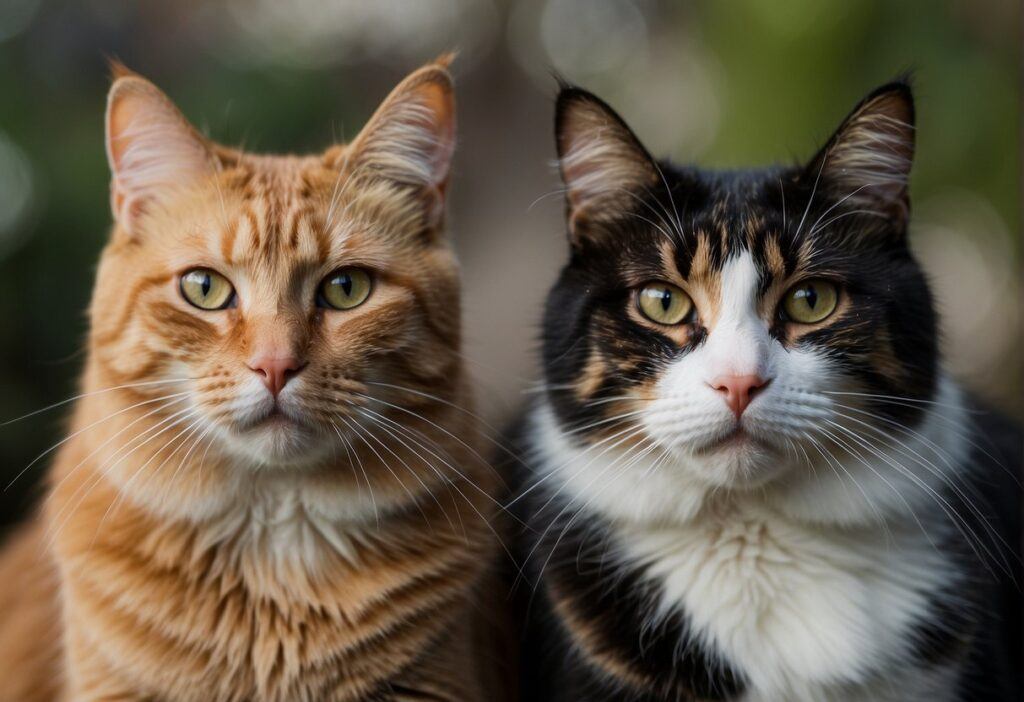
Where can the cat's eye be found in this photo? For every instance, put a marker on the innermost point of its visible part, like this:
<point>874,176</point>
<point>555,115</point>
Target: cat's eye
<point>810,301</point>
<point>206,289</point>
<point>664,303</point>
<point>345,288</point>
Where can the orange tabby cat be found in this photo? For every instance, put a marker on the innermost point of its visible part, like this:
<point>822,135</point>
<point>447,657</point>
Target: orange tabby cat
<point>269,490</point>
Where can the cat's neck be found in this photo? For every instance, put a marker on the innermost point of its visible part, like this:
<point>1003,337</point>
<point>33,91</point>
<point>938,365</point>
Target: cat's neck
<point>281,530</point>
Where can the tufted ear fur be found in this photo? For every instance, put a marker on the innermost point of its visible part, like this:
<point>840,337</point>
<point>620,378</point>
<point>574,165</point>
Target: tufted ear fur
<point>603,164</point>
<point>151,147</point>
<point>411,137</point>
<point>868,159</point>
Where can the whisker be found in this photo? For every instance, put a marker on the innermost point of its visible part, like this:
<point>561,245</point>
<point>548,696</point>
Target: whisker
<point>496,443</point>
<point>366,477</point>
<point>99,448</point>
<point>597,444</point>
<point>463,495</point>
<point>122,491</point>
<point>84,429</point>
<point>834,206</point>
<point>551,193</point>
<point>640,453</point>
<point>814,190</point>
<point>973,540</point>
<point>409,435</point>
<point>90,394</point>
<point>102,473</point>
<point>437,426</point>
<point>912,400</point>
<point>359,435</point>
<point>409,468</point>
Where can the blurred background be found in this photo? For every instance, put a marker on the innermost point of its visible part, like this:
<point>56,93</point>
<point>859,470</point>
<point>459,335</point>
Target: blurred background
<point>721,83</point>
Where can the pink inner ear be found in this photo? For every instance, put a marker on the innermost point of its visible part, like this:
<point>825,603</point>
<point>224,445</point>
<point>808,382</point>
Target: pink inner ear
<point>871,157</point>
<point>150,146</point>
<point>122,114</point>
<point>603,164</point>
<point>411,137</point>
<point>437,99</point>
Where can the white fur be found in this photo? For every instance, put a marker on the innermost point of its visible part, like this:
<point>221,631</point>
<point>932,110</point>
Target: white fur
<point>804,569</point>
<point>291,522</point>
<point>290,445</point>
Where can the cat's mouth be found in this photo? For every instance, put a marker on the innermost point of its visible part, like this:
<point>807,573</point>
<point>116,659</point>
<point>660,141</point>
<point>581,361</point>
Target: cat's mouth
<point>275,418</point>
<point>738,438</point>
<point>277,435</point>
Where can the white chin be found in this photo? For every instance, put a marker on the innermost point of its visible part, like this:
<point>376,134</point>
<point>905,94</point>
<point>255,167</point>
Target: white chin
<point>738,463</point>
<point>279,444</point>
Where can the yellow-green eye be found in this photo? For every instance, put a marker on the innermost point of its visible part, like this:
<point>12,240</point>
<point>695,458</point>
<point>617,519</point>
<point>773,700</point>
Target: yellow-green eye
<point>664,303</point>
<point>345,288</point>
<point>810,301</point>
<point>207,289</point>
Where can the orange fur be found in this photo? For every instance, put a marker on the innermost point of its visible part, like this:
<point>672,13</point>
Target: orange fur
<point>185,553</point>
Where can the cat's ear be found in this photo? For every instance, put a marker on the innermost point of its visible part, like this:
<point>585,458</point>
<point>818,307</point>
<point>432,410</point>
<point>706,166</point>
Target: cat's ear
<point>410,139</point>
<point>867,161</point>
<point>604,166</point>
<point>151,147</point>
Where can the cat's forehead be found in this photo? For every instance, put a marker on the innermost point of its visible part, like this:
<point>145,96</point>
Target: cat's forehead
<point>264,209</point>
<point>714,217</point>
<point>733,203</point>
<point>277,179</point>
<point>274,211</point>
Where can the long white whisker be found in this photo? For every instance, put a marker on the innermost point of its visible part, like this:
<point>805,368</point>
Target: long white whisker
<point>90,394</point>
<point>366,477</point>
<point>86,428</point>
<point>409,468</point>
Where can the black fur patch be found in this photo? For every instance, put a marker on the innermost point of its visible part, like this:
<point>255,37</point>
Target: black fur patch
<point>614,644</point>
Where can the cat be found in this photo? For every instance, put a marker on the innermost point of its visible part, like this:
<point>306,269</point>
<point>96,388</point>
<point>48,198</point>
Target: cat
<point>750,478</point>
<point>271,488</point>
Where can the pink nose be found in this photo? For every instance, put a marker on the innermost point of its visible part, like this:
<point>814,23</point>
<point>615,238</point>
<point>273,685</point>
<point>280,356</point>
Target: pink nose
<point>739,390</point>
<point>276,371</point>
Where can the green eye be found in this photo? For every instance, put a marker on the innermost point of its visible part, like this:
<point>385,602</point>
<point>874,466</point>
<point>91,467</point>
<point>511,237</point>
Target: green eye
<point>811,301</point>
<point>345,288</point>
<point>664,303</point>
<point>206,289</point>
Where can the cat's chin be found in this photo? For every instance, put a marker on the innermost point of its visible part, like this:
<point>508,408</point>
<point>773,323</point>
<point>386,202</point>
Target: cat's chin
<point>278,442</point>
<point>737,460</point>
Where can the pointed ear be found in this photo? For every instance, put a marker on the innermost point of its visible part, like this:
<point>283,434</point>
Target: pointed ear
<point>151,147</point>
<point>603,164</point>
<point>411,137</point>
<point>867,161</point>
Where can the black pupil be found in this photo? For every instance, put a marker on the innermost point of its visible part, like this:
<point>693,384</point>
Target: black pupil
<point>206,284</point>
<point>666,299</point>
<point>810,296</point>
<point>345,281</point>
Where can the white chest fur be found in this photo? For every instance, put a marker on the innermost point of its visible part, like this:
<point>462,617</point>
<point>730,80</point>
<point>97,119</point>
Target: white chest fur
<point>278,524</point>
<point>797,609</point>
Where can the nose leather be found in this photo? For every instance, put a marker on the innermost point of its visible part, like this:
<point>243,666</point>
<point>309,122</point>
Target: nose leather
<point>276,371</point>
<point>738,390</point>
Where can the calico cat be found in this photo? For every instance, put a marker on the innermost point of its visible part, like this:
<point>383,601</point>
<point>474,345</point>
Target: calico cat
<point>750,477</point>
<point>270,489</point>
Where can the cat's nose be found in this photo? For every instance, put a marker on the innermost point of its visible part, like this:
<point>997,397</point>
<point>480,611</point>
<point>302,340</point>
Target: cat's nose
<point>738,390</point>
<point>276,371</point>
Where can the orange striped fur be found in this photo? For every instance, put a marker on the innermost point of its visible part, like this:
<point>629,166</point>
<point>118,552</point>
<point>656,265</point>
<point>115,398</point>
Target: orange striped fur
<point>186,552</point>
